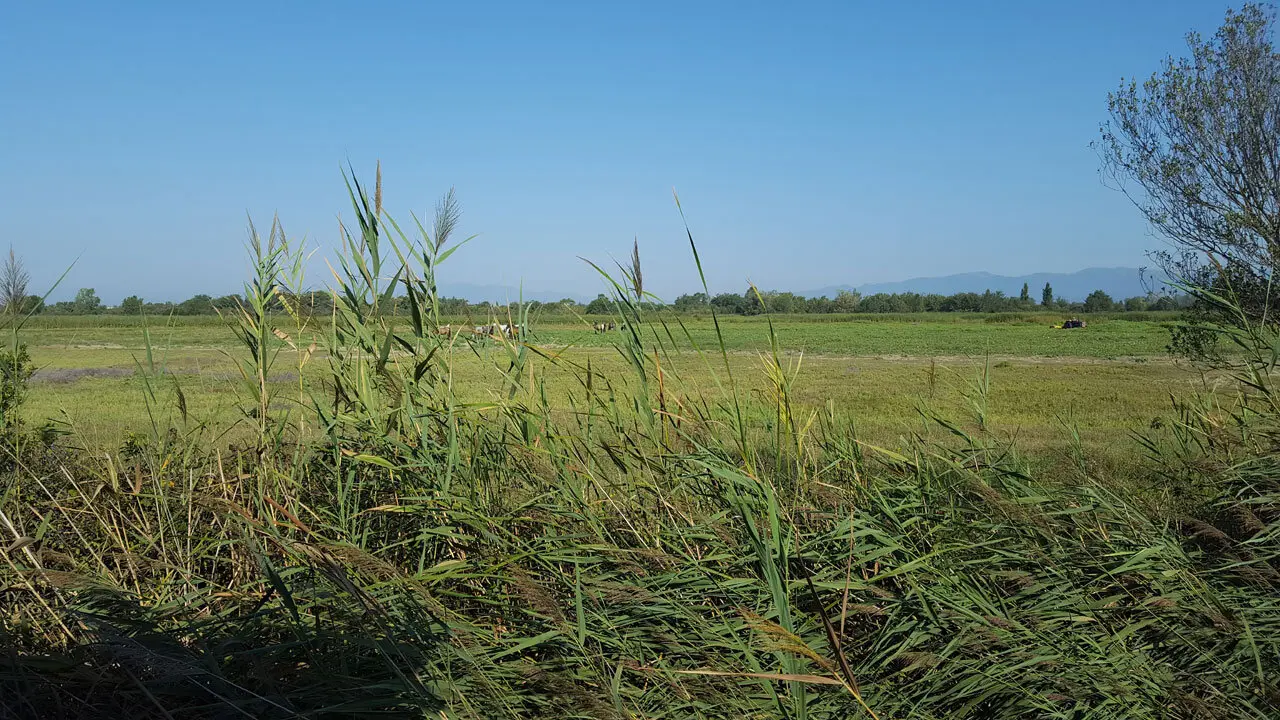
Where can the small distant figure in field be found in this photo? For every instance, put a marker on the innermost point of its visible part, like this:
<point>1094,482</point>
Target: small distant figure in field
<point>1073,323</point>
<point>604,327</point>
<point>497,329</point>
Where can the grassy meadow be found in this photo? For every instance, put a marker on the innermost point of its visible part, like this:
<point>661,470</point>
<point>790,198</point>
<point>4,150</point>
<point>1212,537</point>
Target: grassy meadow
<point>1049,387</point>
<point>359,516</point>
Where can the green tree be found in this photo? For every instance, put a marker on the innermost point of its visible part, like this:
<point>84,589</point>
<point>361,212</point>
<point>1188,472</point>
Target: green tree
<point>690,302</point>
<point>1135,304</point>
<point>1098,301</point>
<point>819,305</point>
<point>912,302</point>
<point>728,302</point>
<point>1046,296</point>
<point>878,303</point>
<point>32,305</point>
<point>1025,296</point>
<point>131,305</point>
<point>600,306</point>
<point>847,301</point>
<point>86,302</point>
<point>196,305</point>
<point>1194,148</point>
<point>784,302</point>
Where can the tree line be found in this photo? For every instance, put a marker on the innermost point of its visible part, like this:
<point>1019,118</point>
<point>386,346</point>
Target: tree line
<point>990,301</point>
<point>319,302</point>
<point>750,302</point>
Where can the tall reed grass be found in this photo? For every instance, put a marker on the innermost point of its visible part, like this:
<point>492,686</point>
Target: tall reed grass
<point>665,550</point>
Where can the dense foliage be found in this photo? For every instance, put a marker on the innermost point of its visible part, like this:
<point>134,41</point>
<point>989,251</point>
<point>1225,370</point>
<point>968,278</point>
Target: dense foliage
<point>664,550</point>
<point>748,303</point>
<point>1196,146</point>
<point>753,303</point>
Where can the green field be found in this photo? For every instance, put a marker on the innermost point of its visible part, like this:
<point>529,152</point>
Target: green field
<point>1103,383</point>
<point>923,335</point>
<point>961,509</point>
<point>346,498</point>
<point>812,518</point>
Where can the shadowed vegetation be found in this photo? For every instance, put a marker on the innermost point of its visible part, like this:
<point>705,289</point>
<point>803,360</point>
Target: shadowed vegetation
<point>685,535</point>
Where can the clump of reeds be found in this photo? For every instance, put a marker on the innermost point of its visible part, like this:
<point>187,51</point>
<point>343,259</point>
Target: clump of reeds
<point>666,550</point>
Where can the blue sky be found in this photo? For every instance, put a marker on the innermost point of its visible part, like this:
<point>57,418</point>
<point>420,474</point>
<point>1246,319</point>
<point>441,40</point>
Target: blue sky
<point>812,144</point>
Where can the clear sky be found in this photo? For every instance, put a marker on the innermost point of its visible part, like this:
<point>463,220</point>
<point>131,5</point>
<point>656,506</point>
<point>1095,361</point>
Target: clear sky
<point>812,144</point>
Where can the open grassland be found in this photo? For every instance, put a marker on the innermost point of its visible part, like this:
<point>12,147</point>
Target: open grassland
<point>888,518</point>
<point>923,335</point>
<point>831,536</point>
<point>1052,389</point>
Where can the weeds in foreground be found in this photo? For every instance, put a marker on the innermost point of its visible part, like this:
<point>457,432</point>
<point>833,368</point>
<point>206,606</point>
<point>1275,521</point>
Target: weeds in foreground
<point>665,550</point>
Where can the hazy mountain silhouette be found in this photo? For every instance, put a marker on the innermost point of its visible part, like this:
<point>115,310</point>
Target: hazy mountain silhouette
<point>1118,282</point>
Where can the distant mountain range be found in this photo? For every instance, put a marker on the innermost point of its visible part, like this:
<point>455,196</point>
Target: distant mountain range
<point>1118,282</point>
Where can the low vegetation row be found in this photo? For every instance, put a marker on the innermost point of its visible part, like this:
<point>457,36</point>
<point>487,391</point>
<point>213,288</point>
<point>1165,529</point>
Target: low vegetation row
<point>749,302</point>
